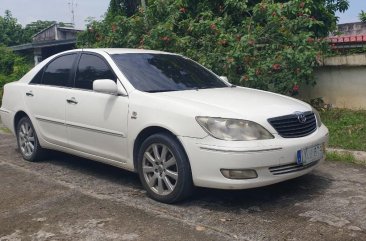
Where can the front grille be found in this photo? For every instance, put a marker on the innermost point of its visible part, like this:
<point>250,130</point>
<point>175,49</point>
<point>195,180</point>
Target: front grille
<point>289,126</point>
<point>289,168</point>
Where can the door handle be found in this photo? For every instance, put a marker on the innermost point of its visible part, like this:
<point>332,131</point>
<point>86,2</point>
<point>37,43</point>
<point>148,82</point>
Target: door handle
<point>72,101</point>
<point>30,93</point>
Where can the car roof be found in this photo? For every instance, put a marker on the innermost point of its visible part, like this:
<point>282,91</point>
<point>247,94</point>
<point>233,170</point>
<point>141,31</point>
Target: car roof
<point>123,51</point>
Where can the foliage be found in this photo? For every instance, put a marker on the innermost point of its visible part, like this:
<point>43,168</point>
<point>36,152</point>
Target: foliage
<point>12,67</point>
<point>362,16</point>
<point>347,128</point>
<point>324,11</point>
<point>122,7</point>
<point>10,30</point>
<point>271,45</point>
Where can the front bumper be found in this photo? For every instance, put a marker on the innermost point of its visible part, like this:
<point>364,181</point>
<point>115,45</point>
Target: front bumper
<point>208,156</point>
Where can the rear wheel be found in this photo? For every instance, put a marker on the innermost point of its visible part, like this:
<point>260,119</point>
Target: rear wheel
<point>27,140</point>
<point>164,169</point>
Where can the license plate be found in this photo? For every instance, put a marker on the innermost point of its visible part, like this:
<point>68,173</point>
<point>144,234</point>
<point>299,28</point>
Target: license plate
<point>310,154</point>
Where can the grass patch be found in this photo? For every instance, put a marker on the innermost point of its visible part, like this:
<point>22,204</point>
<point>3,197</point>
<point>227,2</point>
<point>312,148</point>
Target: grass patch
<point>341,156</point>
<point>4,130</point>
<point>344,156</point>
<point>347,128</point>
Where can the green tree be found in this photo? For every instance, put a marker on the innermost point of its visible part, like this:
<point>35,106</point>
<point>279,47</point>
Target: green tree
<point>325,11</point>
<point>12,67</point>
<point>270,45</point>
<point>11,32</point>
<point>362,16</point>
<point>115,8</point>
<point>122,7</point>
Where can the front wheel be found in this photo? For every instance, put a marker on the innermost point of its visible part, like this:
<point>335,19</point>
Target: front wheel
<point>27,140</point>
<point>164,169</point>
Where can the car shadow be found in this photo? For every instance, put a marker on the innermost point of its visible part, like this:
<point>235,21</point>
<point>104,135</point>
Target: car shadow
<point>93,168</point>
<point>282,194</point>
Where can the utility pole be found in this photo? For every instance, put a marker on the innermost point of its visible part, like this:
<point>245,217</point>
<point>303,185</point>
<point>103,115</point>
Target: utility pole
<point>73,5</point>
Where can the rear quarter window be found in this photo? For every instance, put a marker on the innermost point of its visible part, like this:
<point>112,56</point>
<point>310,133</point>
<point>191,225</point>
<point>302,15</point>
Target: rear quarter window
<point>37,79</point>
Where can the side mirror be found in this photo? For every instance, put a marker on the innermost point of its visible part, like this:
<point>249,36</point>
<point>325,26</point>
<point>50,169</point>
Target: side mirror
<point>224,78</point>
<point>106,86</point>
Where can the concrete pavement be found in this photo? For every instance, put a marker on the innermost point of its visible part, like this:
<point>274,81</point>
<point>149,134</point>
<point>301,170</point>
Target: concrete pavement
<point>70,198</point>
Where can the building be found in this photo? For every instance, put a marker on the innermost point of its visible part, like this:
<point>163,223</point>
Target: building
<point>48,42</point>
<point>358,28</point>
<point>349,35</point>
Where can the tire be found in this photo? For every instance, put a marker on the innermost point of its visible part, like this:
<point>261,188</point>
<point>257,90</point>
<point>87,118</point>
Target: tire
<point>164,169</point>
<point>27,139</point>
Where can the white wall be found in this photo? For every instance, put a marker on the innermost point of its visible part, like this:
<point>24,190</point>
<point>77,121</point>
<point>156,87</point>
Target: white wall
<point>341,81</point>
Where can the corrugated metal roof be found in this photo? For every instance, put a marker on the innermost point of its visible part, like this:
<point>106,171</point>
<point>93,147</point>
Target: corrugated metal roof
<point>43,44</point>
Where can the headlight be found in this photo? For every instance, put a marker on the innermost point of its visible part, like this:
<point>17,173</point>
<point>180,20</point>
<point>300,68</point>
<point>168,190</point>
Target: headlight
<point>233,129</point>
<point>317,116</point>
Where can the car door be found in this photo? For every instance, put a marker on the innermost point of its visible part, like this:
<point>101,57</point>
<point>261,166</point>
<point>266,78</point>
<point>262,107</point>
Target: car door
<point>96,122</point>
<point>46,95</point>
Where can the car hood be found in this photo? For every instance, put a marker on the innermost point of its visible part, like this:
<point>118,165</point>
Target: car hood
<point>237,102</point>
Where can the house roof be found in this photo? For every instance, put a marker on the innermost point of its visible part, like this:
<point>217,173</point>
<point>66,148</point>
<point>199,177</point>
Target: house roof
<point>58,27</point>
<point>43,44</point>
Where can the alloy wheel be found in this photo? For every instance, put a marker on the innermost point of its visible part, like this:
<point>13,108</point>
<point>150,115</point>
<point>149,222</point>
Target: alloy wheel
<point>26,139</point>
<point>160,169</point>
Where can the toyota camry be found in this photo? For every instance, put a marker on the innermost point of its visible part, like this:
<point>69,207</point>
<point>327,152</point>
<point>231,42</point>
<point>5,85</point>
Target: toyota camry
<point>164,116</point>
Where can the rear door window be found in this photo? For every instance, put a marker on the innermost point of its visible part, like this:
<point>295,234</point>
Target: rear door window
<point>90,68</point>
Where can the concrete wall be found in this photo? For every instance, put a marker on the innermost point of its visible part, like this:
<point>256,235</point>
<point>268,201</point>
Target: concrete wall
<point>358,28</point>
<point>341,82</point>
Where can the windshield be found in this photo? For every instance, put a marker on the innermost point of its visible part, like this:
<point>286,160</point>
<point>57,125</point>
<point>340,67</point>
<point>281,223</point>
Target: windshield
<point>165,72</point>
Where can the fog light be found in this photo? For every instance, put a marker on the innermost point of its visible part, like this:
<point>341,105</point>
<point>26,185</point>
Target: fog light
<point>239,174</point>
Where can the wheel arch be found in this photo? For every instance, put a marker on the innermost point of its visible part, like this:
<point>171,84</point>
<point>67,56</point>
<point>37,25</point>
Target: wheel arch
<point>17,117</point>
<point>145,133</point>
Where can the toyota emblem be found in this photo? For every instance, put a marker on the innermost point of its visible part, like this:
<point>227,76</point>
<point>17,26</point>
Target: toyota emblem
<point>301,117</point>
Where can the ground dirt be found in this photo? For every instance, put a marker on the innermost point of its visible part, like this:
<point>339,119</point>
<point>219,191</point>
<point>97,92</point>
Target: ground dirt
<point>70,198</point>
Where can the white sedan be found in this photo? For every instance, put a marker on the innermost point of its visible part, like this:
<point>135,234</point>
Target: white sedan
<point>162,115</point>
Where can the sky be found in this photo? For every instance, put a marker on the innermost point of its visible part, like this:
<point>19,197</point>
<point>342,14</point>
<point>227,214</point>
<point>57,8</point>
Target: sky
<point>27,11</point>
<point>351,15</point>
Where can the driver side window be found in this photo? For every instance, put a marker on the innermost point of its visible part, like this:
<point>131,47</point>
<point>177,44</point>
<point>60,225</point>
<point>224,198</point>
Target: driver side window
<point>91,68</point>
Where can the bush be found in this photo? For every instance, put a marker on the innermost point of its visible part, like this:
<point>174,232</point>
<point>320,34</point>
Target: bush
<point>12,67</point>
<point>266,45</point>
